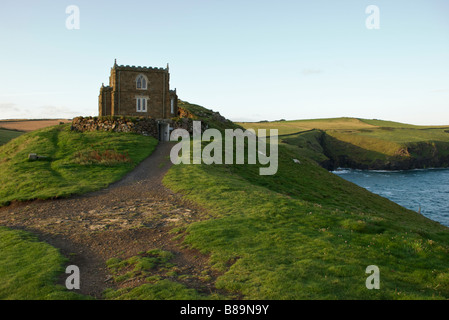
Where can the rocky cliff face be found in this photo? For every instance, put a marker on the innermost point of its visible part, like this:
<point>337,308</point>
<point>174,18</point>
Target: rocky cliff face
<point>332,153</point>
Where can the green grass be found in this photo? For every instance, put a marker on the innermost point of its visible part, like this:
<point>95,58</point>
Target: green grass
<point>305,233</point>
<point>161,290</point>
<point>406,135</point>
<point>308,144</point>
<point>302,233</point>
<point>7,135</point>
<point>293,126</point>
<point>393,124</point>
<point>345,123</point>
<point>75,162</point>
<point>162,278</point>
<point>387,131</point>
<point>207,116</point>
<point>29,268</point>
<point>365,144</point>
<point>140,266</point>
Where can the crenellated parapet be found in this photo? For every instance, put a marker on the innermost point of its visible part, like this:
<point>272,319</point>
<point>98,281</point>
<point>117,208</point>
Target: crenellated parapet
<point>138,68</point>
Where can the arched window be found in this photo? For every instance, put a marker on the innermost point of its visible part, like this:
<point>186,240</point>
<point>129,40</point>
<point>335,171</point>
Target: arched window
<point>141,82</point>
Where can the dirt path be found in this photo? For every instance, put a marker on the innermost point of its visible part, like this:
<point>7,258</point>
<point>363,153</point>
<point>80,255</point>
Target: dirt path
<point>130,216</point>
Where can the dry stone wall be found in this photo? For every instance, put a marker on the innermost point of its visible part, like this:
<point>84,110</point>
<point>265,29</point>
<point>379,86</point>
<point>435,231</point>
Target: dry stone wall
<point>141,125</point>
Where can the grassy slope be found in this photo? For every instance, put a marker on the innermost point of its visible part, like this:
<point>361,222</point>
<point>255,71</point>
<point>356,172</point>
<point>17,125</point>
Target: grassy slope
<point>305,233</point>
<point>393,124</point>
<point>292,126</point>
<point>289,127</point>
<point>208,116</point>
<point>76,163</point>
<point>29,268</point>
<point>364,143</point>
<point>7,135</point>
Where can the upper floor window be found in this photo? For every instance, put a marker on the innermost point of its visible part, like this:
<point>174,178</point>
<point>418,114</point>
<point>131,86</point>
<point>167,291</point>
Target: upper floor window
<point>141,82</point>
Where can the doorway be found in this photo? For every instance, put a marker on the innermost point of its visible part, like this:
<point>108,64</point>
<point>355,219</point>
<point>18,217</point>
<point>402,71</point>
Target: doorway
<point>163,132</point>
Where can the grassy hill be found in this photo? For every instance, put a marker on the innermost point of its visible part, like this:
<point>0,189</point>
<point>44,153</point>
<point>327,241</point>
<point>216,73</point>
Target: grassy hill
<point>307,234</point>
<point>7,135</point>
<point>303,233</point>
<point>365,144</point>
<point>212,118</point>
<point>74,162</point>
<point>29,268</point>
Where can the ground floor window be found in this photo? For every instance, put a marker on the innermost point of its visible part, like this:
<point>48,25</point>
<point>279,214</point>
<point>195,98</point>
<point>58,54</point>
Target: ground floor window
<point>141,104</point>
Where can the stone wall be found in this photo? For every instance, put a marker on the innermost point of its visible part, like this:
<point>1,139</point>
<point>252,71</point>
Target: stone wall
<point>141,125</point>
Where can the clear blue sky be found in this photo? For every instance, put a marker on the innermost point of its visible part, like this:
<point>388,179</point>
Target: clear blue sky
<point>249,60</point>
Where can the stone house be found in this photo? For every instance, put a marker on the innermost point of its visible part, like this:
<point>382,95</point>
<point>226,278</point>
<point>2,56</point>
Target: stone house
<point>139,92</point>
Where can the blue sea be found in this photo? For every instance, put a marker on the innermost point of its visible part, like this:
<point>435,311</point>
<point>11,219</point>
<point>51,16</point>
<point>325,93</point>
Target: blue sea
<point>422,189</point>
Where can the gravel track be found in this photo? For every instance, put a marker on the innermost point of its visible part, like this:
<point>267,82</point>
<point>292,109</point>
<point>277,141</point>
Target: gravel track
<point>132,215</point>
